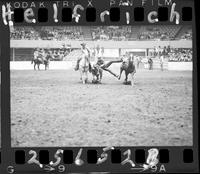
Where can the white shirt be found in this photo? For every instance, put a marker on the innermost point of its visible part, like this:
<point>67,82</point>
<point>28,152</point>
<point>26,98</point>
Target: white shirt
<point>161,59</point>
<point>36,54</point>
<point>86,52</point>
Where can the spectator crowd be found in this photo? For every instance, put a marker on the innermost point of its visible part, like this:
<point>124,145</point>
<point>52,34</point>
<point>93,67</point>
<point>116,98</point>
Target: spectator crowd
<point>118,33</point>
<point>61,33</point>
<point>111,33</point>
<point>24,33</point>
<point>187,35</point>
<point>154,33</point>
<point>47,33</point>
<point>180,55</point>
<point>174,54</point>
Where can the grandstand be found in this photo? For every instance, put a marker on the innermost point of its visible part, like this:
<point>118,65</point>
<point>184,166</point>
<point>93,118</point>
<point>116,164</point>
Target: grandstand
<point>87,33</point>
<point>115,40</point>
<point>117,33</point>
<point>185,33</point>
<point>163,32</point>
<point>135,30</point>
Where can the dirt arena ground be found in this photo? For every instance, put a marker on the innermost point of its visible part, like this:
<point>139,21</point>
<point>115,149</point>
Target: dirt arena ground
<point>52,108</point>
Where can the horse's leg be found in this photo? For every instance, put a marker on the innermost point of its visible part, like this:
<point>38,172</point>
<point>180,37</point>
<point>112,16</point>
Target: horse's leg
<point>97,77</point>
<point>161,66</point>
<point>101,75</point>
<point>86,77</point>
<point>126,78</point>
<point>93,80</point>
<point>38,66</point>
<point>34,66</point>
<point>98,74</point>
<point>81,75</point>
<point>83,78</point>
<point>132,78</point>
<point>77,64</point>
<point>120,74</point>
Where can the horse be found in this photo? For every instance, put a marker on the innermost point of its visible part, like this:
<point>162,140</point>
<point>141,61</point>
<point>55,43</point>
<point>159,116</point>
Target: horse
<point>84,66</point>
<point>129,68</point>
<point>39,61</point>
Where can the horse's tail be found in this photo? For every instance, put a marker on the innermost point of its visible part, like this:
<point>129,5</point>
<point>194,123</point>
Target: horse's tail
<point>134,68</point>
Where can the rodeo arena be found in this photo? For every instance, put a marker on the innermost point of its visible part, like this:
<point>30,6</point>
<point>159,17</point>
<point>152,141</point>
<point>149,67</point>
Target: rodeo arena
<point>101,85</point>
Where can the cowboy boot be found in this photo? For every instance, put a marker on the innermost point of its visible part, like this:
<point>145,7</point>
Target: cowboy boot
<point>77,65</point>
<point>90,68</point>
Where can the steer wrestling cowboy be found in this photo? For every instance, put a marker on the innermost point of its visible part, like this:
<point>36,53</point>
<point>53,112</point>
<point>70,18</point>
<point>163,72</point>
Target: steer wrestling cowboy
<point>100,63</point>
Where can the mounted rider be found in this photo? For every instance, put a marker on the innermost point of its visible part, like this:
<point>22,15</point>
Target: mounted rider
<point>38,54</point>
<point>49,56</point>
<point>85,53</point>
<point>35,54</point>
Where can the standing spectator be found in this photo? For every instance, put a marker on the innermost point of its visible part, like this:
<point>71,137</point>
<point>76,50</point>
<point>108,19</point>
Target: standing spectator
<point>159,52</point>
<point>137,59</point>
<point>161,62</point>
<point>98,54</point>
<point>168,49</point>
<point>150,61</point>
<point>154,51</point>
<point>164,52</point>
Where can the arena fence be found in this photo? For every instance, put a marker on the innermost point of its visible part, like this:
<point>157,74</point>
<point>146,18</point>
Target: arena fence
<point>105,44</point>
<point>66,65</point>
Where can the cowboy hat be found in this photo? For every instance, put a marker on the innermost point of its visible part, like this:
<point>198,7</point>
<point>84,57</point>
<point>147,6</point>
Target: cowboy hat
<point>83,44</point>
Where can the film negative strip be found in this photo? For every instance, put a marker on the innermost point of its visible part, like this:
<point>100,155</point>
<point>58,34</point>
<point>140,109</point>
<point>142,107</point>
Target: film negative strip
<point>65,107</point>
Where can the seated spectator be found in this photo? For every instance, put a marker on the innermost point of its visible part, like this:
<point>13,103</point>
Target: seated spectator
<point>109,33</point>
<point>180,55</point>
<point>154,33</point>
<point>187,35</point>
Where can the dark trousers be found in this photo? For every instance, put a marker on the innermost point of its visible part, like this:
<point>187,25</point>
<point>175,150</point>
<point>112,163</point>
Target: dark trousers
<point>106,65</point>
